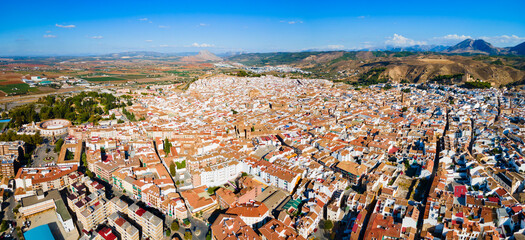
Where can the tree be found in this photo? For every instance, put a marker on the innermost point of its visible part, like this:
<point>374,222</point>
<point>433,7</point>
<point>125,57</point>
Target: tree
<point>188,235</point>
<point>168,232</point>
<point>59,144</point>
<point>3,226</point>
<point>328,225</point>
<point>89,174</point>
<point>172,169</point>
<point>167,146</point>
<point>15,209</point>
<point>84,159</point>
<point>175,226</point>
<point>208,235</point>
<point>404,109</point>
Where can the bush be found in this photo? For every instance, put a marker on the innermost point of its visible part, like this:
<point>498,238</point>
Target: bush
<point>476,85</point>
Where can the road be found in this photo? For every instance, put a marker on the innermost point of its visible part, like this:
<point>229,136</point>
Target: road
<point>7,212</point>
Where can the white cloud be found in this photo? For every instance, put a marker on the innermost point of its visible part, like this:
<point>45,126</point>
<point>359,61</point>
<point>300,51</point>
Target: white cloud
<point>164,26</point>
<point>361,17</point>
<point>49,36</point>
<point>333,47</point>
<point>164,45</point>
<point>204,24</point>
<point>291,22</point>
<point>96,37</point>
<point>454,37</point>
<point>449,39</point>
<point>202,45</point>
<point>400,41</point>
<point>330,47</point>
<point>65,26</point>
<point>48,31</point>
<point>149,40</point>
<point>512,39</point>
<point>143,19</point>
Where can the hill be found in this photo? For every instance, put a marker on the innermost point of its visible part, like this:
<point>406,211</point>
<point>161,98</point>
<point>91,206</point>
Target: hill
<point>518,49</point>
<point>202,56</point>
<point>395,66</point>
<point>472,46</point>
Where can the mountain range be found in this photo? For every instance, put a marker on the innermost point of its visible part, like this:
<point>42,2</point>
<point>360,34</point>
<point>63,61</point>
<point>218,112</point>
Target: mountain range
<point>467,46</point>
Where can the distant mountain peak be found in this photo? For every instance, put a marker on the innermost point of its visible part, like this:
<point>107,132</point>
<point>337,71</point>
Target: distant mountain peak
<point>202,56</point>
<point>474,46</point>
<point>207,55</point>
<point>518,49</point>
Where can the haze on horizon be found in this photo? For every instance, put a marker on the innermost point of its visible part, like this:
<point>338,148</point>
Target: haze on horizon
<point>35,28</point>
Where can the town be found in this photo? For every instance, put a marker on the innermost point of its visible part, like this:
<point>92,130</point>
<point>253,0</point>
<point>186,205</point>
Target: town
<point>273,158</point>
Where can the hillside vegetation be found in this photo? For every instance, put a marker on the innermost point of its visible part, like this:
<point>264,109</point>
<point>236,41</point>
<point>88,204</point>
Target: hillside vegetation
<point>395,66</point>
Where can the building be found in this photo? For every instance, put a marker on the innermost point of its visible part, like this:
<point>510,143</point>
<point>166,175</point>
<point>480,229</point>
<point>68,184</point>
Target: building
<point>94,213</point>
<point>252,213</point>
<point>152,226</point>
<point>7,165</point>
<point>232,227</point>
<point>12,148</point>
<point>53,127</point>
<point>28,180</point>
<point>123,227</point>
<point>277,230</point>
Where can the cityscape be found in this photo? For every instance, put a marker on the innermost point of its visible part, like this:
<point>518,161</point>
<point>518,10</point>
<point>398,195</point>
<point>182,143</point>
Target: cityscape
<point>106,138</point>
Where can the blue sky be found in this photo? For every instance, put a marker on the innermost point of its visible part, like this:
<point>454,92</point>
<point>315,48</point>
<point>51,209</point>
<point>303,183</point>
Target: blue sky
<point>94,27</point>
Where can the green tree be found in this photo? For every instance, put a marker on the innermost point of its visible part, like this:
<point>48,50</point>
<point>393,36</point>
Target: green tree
<point>172,169</point>
<point>168,232</point>
<point>3,226</point>
<point>15,209</point>
<point>84,159</point>
<point>89,174</point>
<point>167,146</point>
<point>58,145</point>
<point>188,235</point>
<point>328,225</point>
<point>175,226</point>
